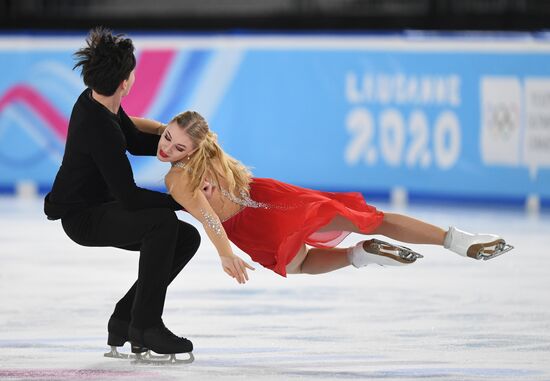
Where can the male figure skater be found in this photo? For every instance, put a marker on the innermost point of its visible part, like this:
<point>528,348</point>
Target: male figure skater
<point>99,204</point>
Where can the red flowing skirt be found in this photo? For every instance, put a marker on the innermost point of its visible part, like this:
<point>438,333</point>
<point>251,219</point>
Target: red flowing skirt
<point>289,216</point>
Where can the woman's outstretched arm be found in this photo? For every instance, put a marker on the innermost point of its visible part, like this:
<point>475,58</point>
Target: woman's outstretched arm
<point>177,183</point>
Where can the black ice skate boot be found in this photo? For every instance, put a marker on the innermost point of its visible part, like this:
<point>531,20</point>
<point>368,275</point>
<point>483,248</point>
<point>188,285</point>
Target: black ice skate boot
<point>117,336</point>
<point>118,332</point>
<point>161,340</point>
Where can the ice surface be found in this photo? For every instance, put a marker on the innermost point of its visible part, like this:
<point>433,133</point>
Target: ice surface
<point>442,318</point>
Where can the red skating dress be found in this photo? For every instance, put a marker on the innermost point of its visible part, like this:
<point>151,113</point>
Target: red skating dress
<point>281,217</point>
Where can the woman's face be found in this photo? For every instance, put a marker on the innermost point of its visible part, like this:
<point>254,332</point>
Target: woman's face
<point>174,144</point>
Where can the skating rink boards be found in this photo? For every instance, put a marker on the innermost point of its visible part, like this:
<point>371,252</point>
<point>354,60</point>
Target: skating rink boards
<point>442,318</point>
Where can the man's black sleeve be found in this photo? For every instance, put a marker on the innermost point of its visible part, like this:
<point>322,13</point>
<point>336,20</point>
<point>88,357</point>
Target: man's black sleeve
<point>109,153</point>
<point>138,143</point>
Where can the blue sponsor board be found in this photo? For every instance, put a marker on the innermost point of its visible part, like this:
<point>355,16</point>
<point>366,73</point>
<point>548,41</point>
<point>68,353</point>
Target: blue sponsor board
<point>443,117</point>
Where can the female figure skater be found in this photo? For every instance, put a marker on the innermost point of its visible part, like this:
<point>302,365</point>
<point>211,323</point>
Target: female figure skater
<point>273,222</point>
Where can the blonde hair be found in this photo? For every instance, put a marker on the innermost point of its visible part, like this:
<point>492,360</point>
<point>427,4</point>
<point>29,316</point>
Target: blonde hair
<point>208,151</point>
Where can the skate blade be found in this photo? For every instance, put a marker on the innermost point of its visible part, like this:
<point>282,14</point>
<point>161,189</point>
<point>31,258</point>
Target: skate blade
<point>500,249</point>
<point>400,254</point>
<point>149,358</point>
<point>168,359</point>
<point>488,250</point>
<point>115,354</point>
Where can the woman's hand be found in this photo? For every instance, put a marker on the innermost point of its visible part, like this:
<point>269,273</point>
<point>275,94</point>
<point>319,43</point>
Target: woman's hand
<point>235,267</point>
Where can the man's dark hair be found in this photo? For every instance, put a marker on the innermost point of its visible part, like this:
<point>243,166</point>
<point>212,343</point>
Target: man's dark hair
<point>106,61</point>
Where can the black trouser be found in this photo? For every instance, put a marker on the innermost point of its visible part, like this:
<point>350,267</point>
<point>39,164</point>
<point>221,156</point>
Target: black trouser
<point>165,243</point>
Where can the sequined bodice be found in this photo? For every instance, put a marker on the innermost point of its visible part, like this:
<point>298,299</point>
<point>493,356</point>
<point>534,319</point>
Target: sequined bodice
<point>243,199</point>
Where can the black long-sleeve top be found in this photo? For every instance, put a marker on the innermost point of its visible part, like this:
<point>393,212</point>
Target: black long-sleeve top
<point>95,168</point>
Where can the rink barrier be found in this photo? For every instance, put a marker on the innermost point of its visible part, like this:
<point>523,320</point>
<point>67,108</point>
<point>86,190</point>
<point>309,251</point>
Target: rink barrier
<point>397,198</point>
<point>26,189</point>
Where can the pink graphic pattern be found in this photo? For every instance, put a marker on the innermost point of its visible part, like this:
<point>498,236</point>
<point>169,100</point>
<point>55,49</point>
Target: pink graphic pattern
<point>150,72</point>
<point>40,105</point>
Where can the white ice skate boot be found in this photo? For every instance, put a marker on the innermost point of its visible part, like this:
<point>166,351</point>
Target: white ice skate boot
<point>477,246</point>
<point>381,253</point>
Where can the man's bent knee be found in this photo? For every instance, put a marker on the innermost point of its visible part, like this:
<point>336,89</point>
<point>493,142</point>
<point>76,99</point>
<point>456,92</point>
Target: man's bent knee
<point>189,237</point>
<point>164,217</point>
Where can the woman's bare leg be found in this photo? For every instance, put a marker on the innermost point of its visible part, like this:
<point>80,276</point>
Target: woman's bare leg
<point>318,261</point>
<point>396,226</point>
<point>407,229</point>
